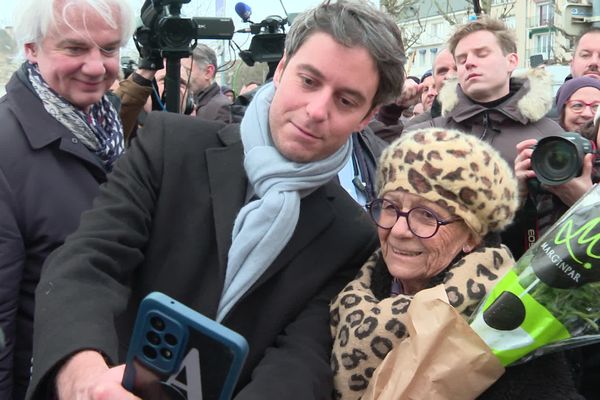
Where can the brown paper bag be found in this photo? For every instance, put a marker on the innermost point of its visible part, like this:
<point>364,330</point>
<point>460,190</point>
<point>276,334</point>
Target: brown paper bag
<point>442,359</point>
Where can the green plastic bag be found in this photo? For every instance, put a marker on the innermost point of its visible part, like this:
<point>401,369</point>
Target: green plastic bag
<point>550,300</point>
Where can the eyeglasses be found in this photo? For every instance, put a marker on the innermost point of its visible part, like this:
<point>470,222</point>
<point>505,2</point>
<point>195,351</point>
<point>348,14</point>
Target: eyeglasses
<point>578,106</point>
<point>421,221</point>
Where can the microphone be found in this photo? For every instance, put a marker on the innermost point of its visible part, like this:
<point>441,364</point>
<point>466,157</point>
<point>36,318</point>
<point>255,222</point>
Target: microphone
<point>244,11</point>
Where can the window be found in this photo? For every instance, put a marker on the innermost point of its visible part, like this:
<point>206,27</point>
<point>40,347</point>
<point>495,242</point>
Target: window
<point>422,54</point>
<point>543,44</point>
<point>510,22</point>
<point>545,14</point>
<point>436,29</point>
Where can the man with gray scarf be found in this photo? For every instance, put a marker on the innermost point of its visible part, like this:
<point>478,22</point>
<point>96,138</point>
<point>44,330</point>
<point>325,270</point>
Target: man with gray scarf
<point>243,224</point>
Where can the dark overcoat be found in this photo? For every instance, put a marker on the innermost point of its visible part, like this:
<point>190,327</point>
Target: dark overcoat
<point>163,222</point>
<point>47,178</point>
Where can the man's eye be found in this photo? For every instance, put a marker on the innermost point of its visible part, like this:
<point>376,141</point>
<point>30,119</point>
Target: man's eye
<point>75,49</point>
<point>345,102</point>
<point>110,50</point>
<point>306,81</point>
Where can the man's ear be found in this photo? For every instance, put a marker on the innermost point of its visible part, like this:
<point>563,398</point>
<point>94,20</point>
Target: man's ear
<point>210,71</point>
<point>513,61</point>
<point>279,70</point>
<point>368,118</point>
<point>31,52</point>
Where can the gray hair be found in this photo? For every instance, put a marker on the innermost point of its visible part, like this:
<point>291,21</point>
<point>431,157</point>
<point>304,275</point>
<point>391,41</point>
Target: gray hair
<point>355,24</point>
<point>35,18</point>
<point>204,56</point>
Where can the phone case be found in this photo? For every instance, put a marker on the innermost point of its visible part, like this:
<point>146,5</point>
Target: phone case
<point>176,353</point>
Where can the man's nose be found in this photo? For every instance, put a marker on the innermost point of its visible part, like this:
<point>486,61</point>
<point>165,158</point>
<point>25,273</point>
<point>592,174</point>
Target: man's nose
<point>317,106</point>
<point>94,63</point>
<point>470,61</point>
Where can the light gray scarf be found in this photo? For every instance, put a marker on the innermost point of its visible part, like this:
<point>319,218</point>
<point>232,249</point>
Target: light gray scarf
<point>264,226</point>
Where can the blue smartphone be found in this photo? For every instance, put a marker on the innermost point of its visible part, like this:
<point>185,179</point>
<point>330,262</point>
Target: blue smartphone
<point>176,353</point>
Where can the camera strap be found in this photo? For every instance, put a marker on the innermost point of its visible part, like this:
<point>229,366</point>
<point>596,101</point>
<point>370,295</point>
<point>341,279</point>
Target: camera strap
<point>530,223</point>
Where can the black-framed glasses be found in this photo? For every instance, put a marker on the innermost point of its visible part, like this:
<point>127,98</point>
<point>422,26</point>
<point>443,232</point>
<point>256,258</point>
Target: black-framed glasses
<point>421,221</point>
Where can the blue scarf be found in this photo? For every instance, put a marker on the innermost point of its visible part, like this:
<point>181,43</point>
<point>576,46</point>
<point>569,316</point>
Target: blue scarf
<point>264,226</point>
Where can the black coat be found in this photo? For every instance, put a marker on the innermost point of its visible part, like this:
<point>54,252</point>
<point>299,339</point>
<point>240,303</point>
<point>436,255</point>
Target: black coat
<point>47,178</point>
<point>163,222</point>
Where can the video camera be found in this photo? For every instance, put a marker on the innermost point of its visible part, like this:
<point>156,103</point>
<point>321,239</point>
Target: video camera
<point>164,28</point>
<point>558,159</point>
<point>165,34</point>
<point>268,42</point>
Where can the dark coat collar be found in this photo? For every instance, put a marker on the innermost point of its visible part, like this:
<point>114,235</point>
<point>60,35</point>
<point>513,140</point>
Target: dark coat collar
<point>39,127</point>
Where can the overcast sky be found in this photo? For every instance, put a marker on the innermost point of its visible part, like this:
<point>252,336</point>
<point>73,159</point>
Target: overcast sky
<point>206,8</point>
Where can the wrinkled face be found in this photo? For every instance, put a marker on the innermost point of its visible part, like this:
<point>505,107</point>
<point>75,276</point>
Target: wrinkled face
<point>200,76</point>
<point>586,59</point>
<point>573,120</point>
<point>412,260</point>
<point>323,94</point>
<point>81,61</point>
<point>428,94</point>
<point>483,70</point>
<point>443,68</point>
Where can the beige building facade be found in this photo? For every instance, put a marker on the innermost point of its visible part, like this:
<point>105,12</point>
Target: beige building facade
<point>545,29</point>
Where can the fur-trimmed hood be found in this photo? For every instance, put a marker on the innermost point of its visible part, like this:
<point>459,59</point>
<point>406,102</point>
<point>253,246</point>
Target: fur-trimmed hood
<point>533,96</point>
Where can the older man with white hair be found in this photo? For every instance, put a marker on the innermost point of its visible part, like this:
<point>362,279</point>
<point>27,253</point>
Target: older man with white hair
<point>60,136</point>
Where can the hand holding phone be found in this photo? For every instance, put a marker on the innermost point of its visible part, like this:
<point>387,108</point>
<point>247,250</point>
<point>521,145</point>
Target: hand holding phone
<point>178,353</point>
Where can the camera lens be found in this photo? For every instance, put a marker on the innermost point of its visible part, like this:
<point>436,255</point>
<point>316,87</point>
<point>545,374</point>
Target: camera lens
<point>170,339</point>
<point>555,161</point>
<point>157,323</point>
<point>153,338</point>
<point>149,352</point>
<point>166,353</point>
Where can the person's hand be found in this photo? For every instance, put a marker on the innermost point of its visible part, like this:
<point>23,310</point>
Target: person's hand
<point>523,171</point>
<point>150,54</point>
<point>572,190</point>
<point>86,376</point>
<point>411,94</point>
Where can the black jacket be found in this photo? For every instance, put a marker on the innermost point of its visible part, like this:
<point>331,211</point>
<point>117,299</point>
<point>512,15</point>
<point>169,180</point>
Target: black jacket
<point>47,178</point>
<point>163,222</point>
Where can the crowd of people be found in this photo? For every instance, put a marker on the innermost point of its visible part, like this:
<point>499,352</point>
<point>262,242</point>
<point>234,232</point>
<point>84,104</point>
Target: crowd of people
<point>300,212</point>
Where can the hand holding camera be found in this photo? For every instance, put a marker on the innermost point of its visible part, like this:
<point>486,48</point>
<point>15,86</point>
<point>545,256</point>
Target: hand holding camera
<point>150,53</point>
<point>562,164</point>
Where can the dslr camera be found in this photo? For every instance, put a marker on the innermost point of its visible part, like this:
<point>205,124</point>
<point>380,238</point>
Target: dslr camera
<point>558,159</point>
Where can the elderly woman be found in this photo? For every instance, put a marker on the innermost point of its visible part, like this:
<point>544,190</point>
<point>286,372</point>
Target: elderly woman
<point>443,198</point>
<point>577,101</point>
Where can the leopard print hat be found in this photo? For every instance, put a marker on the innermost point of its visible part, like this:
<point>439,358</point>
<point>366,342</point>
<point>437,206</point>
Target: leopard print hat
<point>455,170</point>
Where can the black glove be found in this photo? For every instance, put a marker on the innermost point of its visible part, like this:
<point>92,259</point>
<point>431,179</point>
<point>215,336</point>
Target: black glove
<point>150,54</point>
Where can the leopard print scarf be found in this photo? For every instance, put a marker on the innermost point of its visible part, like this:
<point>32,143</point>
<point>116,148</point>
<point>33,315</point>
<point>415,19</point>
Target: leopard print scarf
<point>365,329</point>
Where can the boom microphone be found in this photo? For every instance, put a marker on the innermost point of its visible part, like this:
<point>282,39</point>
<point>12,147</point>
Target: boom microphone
<point>244,11</point>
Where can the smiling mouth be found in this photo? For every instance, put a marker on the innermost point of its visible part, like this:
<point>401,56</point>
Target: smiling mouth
<point>406,253</point>
<point>305,132</point>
